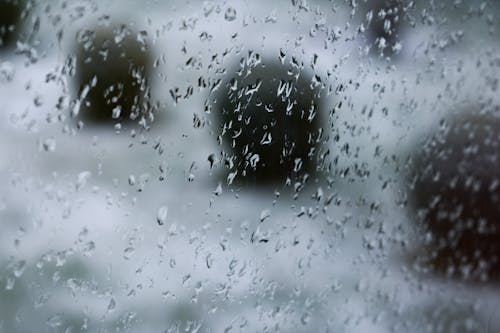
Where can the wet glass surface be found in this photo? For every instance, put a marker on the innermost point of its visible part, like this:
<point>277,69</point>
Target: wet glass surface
<point>278,166</point>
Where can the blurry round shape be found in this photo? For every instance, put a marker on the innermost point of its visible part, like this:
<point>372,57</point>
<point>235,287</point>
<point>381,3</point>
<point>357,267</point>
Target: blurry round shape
<point>268,118</point>
<point>457,193</point>
<point>10,20</point>
<point>383,19</point>
<point>112,68</point>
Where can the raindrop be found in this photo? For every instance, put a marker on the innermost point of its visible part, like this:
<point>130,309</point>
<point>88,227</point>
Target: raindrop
<point>231,176</point>
<point>7,72</point>
<point>111,305</point>
<point>83,177</point>
<point>10,282</point>
<point>186,279</point>
<point>230,14</point>
<point>116,112</point>
<point>211,160</point>
<point>128,253</point>
<point>131,180</point>
<point>49,145</point>
<point>19,268</point>
<point>305,319</point>
<point>209,261</point>
<point>89,249</point>
<point>55,321</point>
<point>266,213</point>
<point>161,216</point>
<point>38,101</point>
<point>218,190</point>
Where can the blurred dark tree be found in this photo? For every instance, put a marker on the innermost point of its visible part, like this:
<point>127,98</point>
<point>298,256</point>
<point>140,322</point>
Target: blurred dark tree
<point>10,20</point>
<point>112,68</point>
<point>268,115</point>
<point>457,191</point>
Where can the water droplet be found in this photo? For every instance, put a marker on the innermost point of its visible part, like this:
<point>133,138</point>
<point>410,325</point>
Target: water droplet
<point>266,139</point>
<point>209,261</point>
<point>254,160</point>
<point>116,112</point>
<point>161,217</point>
<point>38,101</point>
<point>186,279</point>
<point>128,252</point>
<point>230,14</point>
<point>7,72</point>
<point>111,305</point>
<point>19,268</point>
<point>41,300</point>
<point>231,176</point>
<point>88,249</point>
<point>397,47</point>
<point>61,258</point>
<point>83,177</point>
<point>265,214</point>
<point>306,317</point>
<point>218,190</point>
<point>49,145</point>
<point>55,321</point>
<point>11,281</point>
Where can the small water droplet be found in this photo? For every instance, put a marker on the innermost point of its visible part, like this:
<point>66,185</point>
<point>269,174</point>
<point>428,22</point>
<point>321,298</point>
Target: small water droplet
<point>129,251</point>
<point>111,305</point>
<point>218,190</point>
<point>209,261</point>
<point>231,176</point>
<point>254,160</point>
<point>265,214</point>
<point>161,217</point>
<point>306,317</point>
<point>49,145</point>
<point>230,14</point>
<point>83,177</point>
<point>186,279</point>
<point>11,281</point>
<point>19,268</point>
<point>88,249</point>
<point>41,300</point>
<point>55,321</point>
<point>7,72</point>
<point>38,101</point>
<point>211,160</point>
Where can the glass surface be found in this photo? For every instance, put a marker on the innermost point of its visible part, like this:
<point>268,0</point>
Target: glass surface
<point>249,166</point>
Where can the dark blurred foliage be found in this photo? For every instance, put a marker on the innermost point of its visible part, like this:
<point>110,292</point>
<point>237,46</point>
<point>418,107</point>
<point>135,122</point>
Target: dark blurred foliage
<point>112,69</point>
<point>10,20</point>
<point>457,188</point>
<point>269,115</point>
